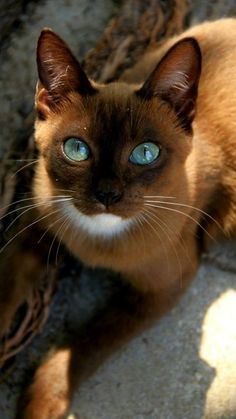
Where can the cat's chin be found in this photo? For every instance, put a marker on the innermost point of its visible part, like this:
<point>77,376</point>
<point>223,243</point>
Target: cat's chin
<point>103,225</point>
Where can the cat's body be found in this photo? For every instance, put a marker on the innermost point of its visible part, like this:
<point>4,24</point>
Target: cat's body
<point>97,239</point>
<point>111,218</point>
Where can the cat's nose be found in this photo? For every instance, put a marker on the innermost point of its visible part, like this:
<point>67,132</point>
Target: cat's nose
<point>108,193</point>
<point>108,198</point>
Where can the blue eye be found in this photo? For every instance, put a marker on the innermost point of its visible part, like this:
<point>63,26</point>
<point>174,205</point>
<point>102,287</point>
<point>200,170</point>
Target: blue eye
<point>145,153</point>
<point>76,149</point>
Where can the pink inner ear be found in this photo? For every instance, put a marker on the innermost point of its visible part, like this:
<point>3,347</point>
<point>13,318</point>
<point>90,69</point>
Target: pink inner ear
<point>178,81</point>
<point>43,102</point>
<point>43,97</point>
<point>179,69</point>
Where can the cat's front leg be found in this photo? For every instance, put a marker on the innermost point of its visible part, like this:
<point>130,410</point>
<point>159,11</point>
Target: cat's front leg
<point>50,394</point>
<point>128,312</point>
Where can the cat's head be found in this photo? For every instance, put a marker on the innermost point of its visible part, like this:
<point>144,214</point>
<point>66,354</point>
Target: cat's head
<point>113,147</point>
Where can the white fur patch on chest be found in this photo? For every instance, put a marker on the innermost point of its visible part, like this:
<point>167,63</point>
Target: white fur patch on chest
<point>105,225</point>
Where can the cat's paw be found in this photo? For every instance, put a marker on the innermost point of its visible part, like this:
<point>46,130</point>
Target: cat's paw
<point>44,409</point>
<point>48,397</point>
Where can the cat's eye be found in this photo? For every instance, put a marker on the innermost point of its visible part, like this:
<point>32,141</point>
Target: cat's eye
<point>145,153</point>
<point>76,149</point>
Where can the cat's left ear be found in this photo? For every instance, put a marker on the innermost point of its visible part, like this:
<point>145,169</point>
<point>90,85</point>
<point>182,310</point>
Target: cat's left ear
<point>59,72</point>
<point>175,80</point>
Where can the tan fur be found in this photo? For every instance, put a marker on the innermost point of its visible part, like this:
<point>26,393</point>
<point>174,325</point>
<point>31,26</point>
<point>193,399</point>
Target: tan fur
<point>159,266</point>
<point>214,126</point>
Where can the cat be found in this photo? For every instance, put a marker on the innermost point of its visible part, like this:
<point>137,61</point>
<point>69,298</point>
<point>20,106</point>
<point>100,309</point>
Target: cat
<point>144,175</point>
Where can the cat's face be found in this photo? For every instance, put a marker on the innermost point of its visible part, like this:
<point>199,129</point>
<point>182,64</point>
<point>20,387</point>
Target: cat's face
<point>112,147</point>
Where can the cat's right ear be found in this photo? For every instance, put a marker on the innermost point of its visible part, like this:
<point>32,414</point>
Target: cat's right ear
<point>59,73</point>
<point>175,80</point>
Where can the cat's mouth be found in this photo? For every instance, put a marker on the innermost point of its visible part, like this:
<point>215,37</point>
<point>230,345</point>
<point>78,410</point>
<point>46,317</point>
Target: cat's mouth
<point>103,223</point>
<point>125,209</point>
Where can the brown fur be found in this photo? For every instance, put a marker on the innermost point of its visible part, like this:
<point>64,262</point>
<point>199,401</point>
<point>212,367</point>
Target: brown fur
<point>197,166</point>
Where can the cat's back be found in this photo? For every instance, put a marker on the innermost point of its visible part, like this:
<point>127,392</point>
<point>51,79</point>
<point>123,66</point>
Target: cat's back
<point>217,87</point>
<point>217,41</point>
<point>213,35</point>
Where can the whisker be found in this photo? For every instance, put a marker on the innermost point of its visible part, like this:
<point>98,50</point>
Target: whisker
<point>159,196</point>
<point>24,167</point>
<point>30,199</point>
<point>75,232</point>
<point>182,242</point>
<point>50,226</point>
<point>63,233</point>
<point>66,190</point>
<point>19,160</point>
<point>182,213</point>
<point>157,220</point>
<point>159,237</point>
<point>53,241</point>
<point>191,207</point>
<point>28,226</point>
<point>178,235</point>
<point>140,225</point>
<point>33,206</point>
<point>155,217</point>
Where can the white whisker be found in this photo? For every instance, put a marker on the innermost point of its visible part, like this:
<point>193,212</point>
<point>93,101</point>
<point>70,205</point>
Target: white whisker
<point>160,196</point>
<point>33,206</point>
<point>30,199</point>
<point>67,224</point>
<point>188,206</point>
<point>24,167</point>
<point>49,227</point>
<point>28,226</point>
<point>159,237</point>
<point>182,213</point>
<point>19,160</point>
<point>155,217</point>
<point>53,241</point>
<point>140,226</point>
<point>157,221</point>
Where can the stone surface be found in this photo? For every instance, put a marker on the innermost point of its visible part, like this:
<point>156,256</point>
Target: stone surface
<point>183,368</point>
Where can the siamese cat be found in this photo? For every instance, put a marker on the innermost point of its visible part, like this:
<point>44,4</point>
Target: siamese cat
<point>137,176</point>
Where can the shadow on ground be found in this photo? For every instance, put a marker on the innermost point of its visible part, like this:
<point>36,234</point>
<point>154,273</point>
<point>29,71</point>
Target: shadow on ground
<point>183,368</point>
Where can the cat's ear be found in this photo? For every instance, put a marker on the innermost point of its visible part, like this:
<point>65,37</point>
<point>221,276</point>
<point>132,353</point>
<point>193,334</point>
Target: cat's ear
<point>175,79</point>
<point>58,70</point>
